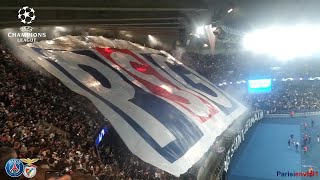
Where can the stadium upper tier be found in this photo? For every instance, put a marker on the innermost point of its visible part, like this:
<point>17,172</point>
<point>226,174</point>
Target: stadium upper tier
<point>243,66</point>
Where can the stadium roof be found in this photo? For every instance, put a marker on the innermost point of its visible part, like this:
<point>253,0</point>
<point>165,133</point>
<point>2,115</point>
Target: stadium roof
<point>165,13</point>
<point>169,18</point>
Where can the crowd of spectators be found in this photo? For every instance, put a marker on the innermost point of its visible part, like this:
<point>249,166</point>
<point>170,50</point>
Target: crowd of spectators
<point>42,118</point>
<point>242,66</point>
<point>288,95</point>
<point>113,153</point>
<point>215,69</point>
<point>28,99</point>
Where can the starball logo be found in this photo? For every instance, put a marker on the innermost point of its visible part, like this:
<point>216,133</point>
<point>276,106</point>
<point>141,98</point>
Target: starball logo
<point>26,15</point>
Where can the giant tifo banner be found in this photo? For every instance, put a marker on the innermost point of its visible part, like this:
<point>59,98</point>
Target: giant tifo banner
<point>167,114</point>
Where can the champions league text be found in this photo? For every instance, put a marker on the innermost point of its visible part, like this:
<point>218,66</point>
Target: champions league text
<point>26,37</point>
<point>293,174</point>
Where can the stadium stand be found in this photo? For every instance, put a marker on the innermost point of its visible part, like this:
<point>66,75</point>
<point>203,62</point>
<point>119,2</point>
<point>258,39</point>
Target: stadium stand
<point>243,66</point>
<point>44,119</point>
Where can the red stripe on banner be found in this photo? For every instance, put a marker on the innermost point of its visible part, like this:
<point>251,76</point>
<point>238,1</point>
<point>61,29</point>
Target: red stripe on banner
<point>147,69</point>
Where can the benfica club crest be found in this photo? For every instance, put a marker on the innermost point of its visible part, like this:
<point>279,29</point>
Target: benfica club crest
<point>29,170</point>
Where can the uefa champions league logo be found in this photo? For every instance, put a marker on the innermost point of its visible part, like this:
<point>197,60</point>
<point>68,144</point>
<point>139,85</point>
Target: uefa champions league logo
<point>26,15</point>
<point>26,29</point>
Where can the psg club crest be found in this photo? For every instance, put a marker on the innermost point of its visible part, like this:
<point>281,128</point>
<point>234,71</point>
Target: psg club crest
<point>29,170</point>
<point>14,167</point>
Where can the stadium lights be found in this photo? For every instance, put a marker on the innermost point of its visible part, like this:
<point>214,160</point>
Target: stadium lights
<point>230,10</point>
<point>205,45</point>
<point>284,42</point>
<point>153,40</point>
<point>60,28</point>
<point>196,35</point>
<point>200,30</point>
